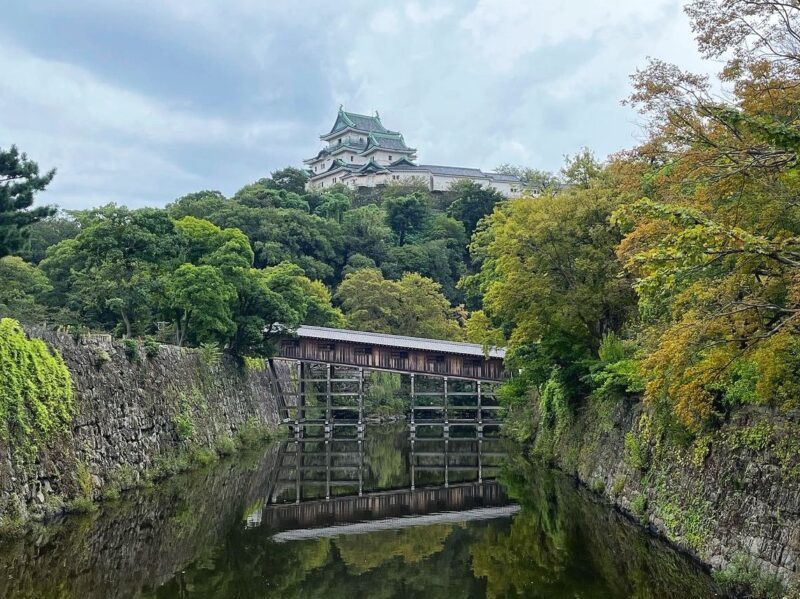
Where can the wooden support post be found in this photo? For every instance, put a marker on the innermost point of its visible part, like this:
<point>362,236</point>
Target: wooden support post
<point>301,389</point>
<point>328,399</point>
<point>446,421</point>
<point>298,467</point>
<point>360,402</point>
<point>413,459</point>
<point>327,469</point>
<point>480,412</point>
<point>360,467</point>
<point>413,423</point>
<point>446,459</point>
<point>480,459</point>
<point>297,401</point>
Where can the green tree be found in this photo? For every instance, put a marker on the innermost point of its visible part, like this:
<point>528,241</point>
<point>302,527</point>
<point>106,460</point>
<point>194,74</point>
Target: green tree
<point>46,233</point>
<point>550,275</point>
<point>405,214</point>
<point>107,274</point>
<point>23,286</point>
<point>19,182</point>
<point>533,179</point>
<point>365,232</point>
<point>290,179</point>
<point>472,202</point>
<point>580,170</point>
<point>334,206</point>
<point>414,305</point>
<point>713,236</point>
<point>200,301</point>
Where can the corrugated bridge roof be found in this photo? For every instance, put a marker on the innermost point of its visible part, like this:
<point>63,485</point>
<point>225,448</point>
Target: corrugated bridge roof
<point>399,341</point>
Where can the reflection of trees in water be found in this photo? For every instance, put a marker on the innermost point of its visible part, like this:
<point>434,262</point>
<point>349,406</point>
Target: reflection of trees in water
<point>385,453</point>
<point>188,540</point>
<point>383,394</point>
<point>565,544</point>
<point>362,553</point>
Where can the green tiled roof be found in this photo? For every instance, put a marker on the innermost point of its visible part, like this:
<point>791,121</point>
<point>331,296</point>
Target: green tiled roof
<point>362,122</point>
<point>371,166</point>
<point>387,141</point>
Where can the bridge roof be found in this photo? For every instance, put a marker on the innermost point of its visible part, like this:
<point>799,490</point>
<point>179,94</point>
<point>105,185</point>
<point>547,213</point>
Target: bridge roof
<point>399,341</point>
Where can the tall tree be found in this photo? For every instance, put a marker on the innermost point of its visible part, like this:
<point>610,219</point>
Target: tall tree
<point>414,305</point>
<point>290,179</point>
<point>19,182</point>
<point>472,202</point>
<point>23,287</point>
<point>405,214</point>
<point>549,274</point>
<point>715,242</point>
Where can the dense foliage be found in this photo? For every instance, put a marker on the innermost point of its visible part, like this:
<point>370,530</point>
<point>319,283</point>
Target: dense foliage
<point>672,270</point>
<point>236,272</point>
<point>36,394</point>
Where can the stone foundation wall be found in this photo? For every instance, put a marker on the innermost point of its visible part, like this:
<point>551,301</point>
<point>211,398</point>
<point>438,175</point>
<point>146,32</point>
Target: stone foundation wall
<point>133,415</point>
<point>733,495</point>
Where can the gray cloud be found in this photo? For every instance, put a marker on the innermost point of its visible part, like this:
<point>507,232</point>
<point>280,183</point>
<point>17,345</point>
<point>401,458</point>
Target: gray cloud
<point>140,102</point>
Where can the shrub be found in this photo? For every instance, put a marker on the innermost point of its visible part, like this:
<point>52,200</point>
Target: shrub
<point>151,347</point>
<point>254,364</point>
<point>743,578</point>
<point>131,348</point>
<point>553,405</point>
<point>184,425</point>
<point>639,507</point>
<point>636,453</point>
<point>101,357</point>
<point>226,446</point>
<point>252,433</point>
<point>36,391</point>
<point>617,485</point>
<point>84,480</point>
<point>81,505</point>
<point>210,353</point>
<point>598,485</point>
<point>202,456</point>
<point>111,493</point>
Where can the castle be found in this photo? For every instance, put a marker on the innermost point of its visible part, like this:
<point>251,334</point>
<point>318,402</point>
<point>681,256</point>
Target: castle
<point>361,152</point>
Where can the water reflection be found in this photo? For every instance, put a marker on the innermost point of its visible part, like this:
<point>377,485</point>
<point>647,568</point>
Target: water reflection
<point>383,517</point>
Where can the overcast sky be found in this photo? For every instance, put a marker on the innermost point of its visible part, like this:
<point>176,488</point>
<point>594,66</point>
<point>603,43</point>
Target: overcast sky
<point>139,102</point>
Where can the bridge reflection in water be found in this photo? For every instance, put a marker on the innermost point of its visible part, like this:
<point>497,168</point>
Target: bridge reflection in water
<point>364,479</point>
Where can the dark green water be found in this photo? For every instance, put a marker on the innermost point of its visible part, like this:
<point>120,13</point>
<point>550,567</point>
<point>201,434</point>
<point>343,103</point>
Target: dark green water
<point>237,530</point>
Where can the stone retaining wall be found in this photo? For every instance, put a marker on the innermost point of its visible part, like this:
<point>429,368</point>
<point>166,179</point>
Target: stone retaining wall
<point>133,413</point>
<point>732,495</point>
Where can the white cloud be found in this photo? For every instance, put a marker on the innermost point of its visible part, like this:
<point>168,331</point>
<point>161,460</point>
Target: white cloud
<point>385,21</point>
<point>110,143</point>
<point>507,30</point>
<point>430,13</point>
<point>468,82</point>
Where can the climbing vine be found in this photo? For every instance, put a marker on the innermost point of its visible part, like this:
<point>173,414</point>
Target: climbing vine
<point>35,389</point>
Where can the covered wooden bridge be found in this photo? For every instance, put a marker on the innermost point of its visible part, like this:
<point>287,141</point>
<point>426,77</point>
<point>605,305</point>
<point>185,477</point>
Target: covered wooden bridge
<point>396,353</point>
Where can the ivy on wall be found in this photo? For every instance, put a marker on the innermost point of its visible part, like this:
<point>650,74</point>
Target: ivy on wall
<point>35,389</point>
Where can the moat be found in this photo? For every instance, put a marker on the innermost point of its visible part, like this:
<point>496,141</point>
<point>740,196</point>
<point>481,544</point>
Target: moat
<point>386,516</point>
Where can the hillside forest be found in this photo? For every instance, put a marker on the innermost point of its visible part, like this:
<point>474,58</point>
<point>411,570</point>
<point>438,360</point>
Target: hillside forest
<point>668,273</point>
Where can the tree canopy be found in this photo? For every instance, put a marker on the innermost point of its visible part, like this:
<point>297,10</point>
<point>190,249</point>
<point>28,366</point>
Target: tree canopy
<point>19,182</point>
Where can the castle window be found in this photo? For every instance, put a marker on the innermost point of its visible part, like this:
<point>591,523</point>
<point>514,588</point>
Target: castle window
<point>351,159</point>
<point>340,141</point>
<point>390,156</point>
